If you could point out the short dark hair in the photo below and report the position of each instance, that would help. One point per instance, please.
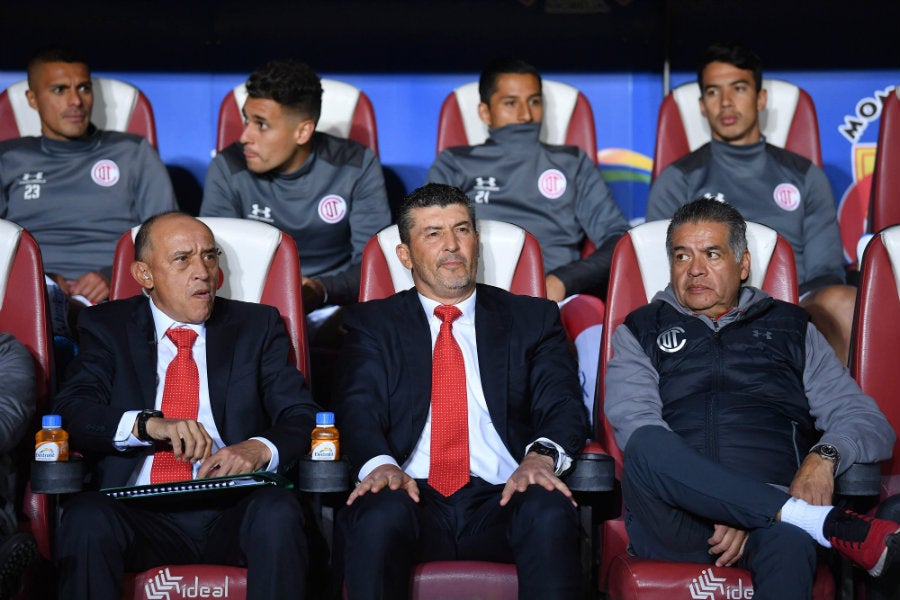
(50, 54)
(142, 238)
(714, 211)
(733, 54)
(431, 194)
(289, 83)
(487, 83)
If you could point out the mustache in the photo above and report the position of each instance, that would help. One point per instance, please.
(452, 257)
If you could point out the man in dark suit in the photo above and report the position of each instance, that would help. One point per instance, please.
(253, 413)
(519, 421)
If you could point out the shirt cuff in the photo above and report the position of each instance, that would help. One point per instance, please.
(124, 439)
(273, 462)
(563, 462)
(374, 463)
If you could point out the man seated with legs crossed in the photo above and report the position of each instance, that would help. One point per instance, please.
(215, 377)
(461, 408)
(735, 416)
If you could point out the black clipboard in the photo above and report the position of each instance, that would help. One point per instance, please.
(198, 491)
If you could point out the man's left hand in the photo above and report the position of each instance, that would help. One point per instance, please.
(814, 481)
(535, 469)
(313, 294)
(728, 543)
(556, 289)
(92, 285)
(245, 457)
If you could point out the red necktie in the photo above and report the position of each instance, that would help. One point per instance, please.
(181, 399)
(449, 469)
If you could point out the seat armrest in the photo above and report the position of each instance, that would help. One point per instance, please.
(323, 476)
(593, 471)
(861, 479)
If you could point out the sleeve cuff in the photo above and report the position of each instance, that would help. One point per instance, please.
(124, 439)
(374, 463)
(272, 467)
(563, 462)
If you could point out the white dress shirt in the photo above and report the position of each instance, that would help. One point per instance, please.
(165, 352)
(489, 459)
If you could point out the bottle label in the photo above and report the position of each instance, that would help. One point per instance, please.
(324, 451)
(49, 451)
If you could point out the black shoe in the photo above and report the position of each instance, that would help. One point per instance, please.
(16, 554)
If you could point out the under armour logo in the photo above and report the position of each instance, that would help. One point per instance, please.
(264, 213)
(766, 334)
(486, 183)
(671, 340)
(718, 196)
(32, 178)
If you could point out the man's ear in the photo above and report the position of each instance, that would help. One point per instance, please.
(403, 255)
(761, 100)
(141, 273)
(32, 99)
(484, 113)
(745, 266)
(304, 131)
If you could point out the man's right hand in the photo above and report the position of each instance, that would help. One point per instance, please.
(189, 439)
(385, 476)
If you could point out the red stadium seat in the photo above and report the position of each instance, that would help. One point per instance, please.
(788, 121)
(885, 209)
(639, 269)
(568, 118)
(118, 106)
(346, 113)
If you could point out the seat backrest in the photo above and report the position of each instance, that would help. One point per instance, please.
(885, 209)
(568, 118)
(788, 121)
(24, 311)
(346, 113)
(258, 264)
(643, 251)
(118, 106)
(876, 329)
(510, 258)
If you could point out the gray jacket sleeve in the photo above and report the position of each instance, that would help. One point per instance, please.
(602, 222)
(631, 397)
(154, 193)
(823, 253)
(850, 420)
(17, 402)
(667, 193)
(443, 170)
(219, 199)
(369, 214)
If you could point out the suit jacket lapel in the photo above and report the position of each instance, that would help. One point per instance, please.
(141, 335)
(221, 336)
(492, 331)
(416, 343)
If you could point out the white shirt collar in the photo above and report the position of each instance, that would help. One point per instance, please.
(163, 322)
(467, 307)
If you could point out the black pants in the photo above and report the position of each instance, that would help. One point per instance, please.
(674, 496)
(100, 539)
(386, 533)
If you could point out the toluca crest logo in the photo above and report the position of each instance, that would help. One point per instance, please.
(552, 184)
(787, 196)
(260, 213)
(105, 173)
(483, 188)
(709, 587)
(165, 586)
(332, 208)
(671, 340)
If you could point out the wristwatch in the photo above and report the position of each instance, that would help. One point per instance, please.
(828, 452)
(545, 449)
(142, 419)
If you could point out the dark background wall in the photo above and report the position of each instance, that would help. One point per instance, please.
(381, 36)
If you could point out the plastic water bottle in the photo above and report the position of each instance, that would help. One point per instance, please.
(51, 442)
(326, 440)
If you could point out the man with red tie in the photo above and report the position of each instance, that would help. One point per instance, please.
(460, 408)
(175, 384)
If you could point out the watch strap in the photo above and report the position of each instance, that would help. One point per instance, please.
(142, 419)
